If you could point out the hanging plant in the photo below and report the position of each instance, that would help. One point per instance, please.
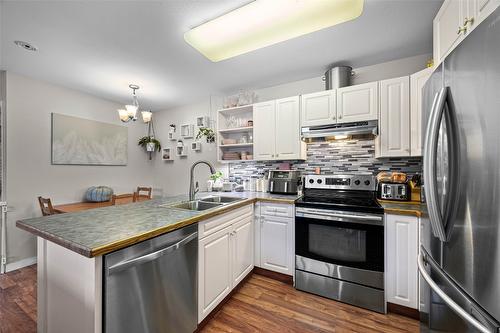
(206, 132)
(150, 143)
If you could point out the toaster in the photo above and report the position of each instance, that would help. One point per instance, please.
(394, 191)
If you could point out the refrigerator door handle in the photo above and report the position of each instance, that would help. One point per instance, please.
(454, 306)
(430, 151)
(453, 195)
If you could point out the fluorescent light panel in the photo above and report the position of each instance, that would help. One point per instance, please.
(266, 22)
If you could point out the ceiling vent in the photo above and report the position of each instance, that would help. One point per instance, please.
(25, 45)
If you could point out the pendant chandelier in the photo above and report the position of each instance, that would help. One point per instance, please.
(130, 111)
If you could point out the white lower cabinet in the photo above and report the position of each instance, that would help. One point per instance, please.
(214, 278)
(401, 256)
(274, 238)
(225, 257)
(243, 240)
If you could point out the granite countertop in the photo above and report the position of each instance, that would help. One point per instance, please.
(415, 208)
(99, 231)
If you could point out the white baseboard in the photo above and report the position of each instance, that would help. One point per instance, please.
(20, 264)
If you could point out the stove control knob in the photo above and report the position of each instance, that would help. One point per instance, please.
(357, 182)
(319, 181)
(367, 182)
(311, 181)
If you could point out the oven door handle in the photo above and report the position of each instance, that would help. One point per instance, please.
(336, 216)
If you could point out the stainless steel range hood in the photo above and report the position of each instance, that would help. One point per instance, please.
(349, 129)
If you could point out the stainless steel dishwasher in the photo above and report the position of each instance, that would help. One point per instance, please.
(151, 287)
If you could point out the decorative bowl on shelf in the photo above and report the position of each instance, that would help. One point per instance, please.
(228, 141)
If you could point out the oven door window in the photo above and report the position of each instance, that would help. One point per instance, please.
(341, 243)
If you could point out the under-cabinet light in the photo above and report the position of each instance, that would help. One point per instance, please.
(266, 22)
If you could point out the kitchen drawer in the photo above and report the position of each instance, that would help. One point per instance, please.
(281, 210)
(217, 223)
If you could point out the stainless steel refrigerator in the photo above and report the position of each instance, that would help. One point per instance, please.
(459, 258)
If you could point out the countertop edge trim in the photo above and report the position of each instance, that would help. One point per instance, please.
(84, 251)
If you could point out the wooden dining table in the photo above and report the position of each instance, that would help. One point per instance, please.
(80, 206)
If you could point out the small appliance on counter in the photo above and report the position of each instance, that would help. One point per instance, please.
(284, 181)
(393, 186)
(394, 191)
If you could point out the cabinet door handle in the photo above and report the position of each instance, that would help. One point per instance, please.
(462, 30)
(468, 20)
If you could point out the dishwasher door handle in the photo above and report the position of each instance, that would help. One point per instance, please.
(150, 256)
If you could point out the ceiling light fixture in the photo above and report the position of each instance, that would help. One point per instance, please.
(26, 45)
(262, 23)
(130, 111)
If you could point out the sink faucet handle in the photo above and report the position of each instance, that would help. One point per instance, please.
(197, 188)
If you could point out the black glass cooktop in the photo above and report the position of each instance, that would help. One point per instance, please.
(359, 201)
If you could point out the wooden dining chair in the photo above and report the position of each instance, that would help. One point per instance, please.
(123, 198)
(46, 206)
(147, 192)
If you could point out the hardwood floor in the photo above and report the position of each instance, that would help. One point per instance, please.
(266, 305)
(18, 301)
(260, 305)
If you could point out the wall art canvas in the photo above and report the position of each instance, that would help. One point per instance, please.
(78, 141)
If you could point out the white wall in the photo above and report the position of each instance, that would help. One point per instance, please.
(29, 170)
(386, 70)
(172, 177)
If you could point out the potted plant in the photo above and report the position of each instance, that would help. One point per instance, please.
(150, 143)
(206, 132)
(215, 182)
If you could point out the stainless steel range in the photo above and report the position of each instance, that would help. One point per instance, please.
(339, 240)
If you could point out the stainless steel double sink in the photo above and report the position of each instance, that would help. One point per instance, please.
(205, 203)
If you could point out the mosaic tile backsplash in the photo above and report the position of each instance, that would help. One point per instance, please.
(334, 157)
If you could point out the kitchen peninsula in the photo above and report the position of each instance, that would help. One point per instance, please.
(71, 250)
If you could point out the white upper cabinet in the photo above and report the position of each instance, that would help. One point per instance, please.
(417, 82)
(394, 120)
(288, 128)
(318, 108)
(454, 20)
(446, 27)
(357, 103)
(277, 130)
(483, 8)
(264, 123)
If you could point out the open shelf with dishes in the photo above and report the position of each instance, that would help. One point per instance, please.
(235, 134)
